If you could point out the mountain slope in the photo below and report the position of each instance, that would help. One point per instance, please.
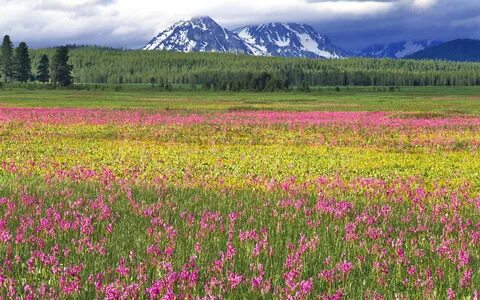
(198, 35)
(397, 50)
(288, 40)
(457, 50)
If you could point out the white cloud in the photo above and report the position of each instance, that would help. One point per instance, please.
(133, 22)
(424, 3)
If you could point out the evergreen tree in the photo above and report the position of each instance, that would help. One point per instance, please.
(152, 81)
(43, 69)
(61, 70)
(23, 63)
(304, 87)
(6, 61)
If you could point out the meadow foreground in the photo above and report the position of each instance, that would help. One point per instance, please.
(155, 204)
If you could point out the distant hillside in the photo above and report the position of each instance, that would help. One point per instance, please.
(457, 50)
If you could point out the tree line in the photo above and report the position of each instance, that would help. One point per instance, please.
(230, 72)
(16, 65)
(219, 71)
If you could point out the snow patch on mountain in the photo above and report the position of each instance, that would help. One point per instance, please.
(249, 40)
(398, 49)
(410, 48)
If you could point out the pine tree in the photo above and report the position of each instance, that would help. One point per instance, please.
(23, 63)
(61, 70)
(43, 69)
(152, 81)
(7, 59)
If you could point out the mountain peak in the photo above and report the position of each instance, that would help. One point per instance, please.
(199, 34)
(202, 18)
(289, 40)
(205, 20)
(203, 34)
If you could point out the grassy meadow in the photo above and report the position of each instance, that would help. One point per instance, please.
(136, 193)
(408, 99)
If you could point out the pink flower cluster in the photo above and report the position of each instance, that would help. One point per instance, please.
(68, 116)
(120, 245)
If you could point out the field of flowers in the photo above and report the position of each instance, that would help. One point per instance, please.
(149, 204)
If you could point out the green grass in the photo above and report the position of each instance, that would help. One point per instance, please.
(412, 99)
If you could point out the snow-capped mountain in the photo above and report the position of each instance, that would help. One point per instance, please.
(398, 49)
(274, 39)
(200, 34)
(288, 40)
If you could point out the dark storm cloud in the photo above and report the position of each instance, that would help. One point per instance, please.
(446, 20)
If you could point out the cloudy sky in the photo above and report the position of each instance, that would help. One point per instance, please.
(131, 23)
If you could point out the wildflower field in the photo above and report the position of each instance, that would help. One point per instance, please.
(243, 196)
